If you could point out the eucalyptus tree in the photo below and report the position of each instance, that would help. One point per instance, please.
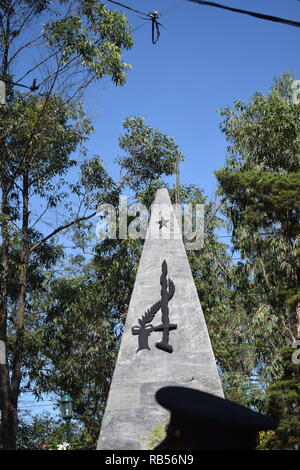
(75, 340)
(36, 184)
(53, 50)
(260, 186)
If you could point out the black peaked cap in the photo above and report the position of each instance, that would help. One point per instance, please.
(199, 407)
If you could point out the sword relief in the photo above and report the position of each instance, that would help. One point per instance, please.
(167, 292)
(144, 329)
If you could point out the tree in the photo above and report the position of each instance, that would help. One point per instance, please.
(34, 341)
(39, 432)
(148, 153)
(22, 179)
(80, 41)
(283, 403)
(45, 432)
(75, 339)
(260, 187)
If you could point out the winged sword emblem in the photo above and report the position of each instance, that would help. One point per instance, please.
(145, 328)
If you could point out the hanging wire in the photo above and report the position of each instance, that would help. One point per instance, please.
(275, 19)
(172, 7)
(134, 10)
(154, 16)
(128, 7)
(155, 24)
(138, 27)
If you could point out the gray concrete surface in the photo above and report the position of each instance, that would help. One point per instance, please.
(131, 412)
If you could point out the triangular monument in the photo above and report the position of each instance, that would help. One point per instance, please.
(165, 339)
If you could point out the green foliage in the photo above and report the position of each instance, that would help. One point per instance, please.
(96, 184)
(73, 344)
(39, 432)
(150, 154)
(260, 187)
(263, 134)
(73, 325)
(284, 405)
(95, 35)
(40, 134)
(263, 199)
(57, 332)
(45, 432)
(83, 41)
(77, 346)
(84, 316)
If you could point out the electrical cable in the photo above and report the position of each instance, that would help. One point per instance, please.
(127, 7)
(262, 16)
(152, 16)
(162, 13)
(275, 19)
(172, 8)
(138, 27)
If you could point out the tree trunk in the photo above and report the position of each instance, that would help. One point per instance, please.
(19, 321)
(9, 424)
(7, 411)
(298, 320)
(10, 390)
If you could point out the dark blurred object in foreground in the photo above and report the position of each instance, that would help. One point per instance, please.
(200, 420)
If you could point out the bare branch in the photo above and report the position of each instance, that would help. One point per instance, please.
(59, 229)
(33, 132)
(81, 87)
(41, 215)
(62, 68)
(21, 48)
(1, 24)
(25, 21)
(38, 65)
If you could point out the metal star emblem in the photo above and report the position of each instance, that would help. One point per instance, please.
(162, 222)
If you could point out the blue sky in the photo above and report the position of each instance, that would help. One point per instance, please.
(204, 60)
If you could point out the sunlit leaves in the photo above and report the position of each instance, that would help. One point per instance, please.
(263, 134)
(149, 154)
(94, 35)
(260, 184)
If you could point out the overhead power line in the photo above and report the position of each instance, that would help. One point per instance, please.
(276, 19)
(138, 27)
(261, 16)
(25, 407)
(152, 16)
(128, 7)
(143, 13)
(172, 7)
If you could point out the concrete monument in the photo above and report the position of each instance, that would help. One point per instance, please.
(165, 340)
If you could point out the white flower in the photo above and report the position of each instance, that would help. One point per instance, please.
(63, 446)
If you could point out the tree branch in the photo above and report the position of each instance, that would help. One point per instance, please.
(59, 229)
(220, 265)
(27, 44)
(27, 18)
(37, 65)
